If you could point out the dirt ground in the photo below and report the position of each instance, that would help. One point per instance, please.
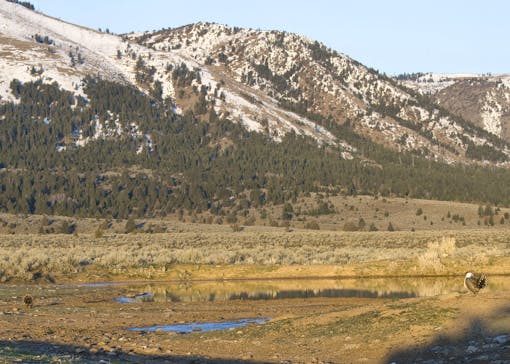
(88, 325)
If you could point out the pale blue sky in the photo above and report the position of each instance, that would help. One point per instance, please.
(393, 36)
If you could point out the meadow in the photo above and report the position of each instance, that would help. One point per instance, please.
(253, 252)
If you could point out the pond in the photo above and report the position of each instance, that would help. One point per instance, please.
(211, 291)
(376, 288)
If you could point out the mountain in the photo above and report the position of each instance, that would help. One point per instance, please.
(269, 81)
(216, 119)
(270, 67)
(483, 100)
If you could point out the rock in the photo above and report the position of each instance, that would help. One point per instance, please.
(482, 358)
(501, 339)
(471, 349)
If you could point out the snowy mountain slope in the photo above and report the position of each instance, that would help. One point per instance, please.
(114, 58)
(268, 81)
(431, 83)
(52, 53)
(483, 100)
(306, 76)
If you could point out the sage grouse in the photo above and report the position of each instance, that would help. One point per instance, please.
(475, 281)
(28, 300)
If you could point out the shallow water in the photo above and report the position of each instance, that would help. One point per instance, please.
(375, 288)
(200, 327)
(138, 297)
(212, 291)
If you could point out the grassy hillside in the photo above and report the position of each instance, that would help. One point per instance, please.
(38, 247)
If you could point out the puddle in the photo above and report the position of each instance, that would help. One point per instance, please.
(100, 284)
(223, 291)
(138, 297)
(200, 327)
(372, 288)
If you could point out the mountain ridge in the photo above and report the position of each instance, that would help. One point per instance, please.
(266, 74)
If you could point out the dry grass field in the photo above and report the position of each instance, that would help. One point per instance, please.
(428, 238)
(254, 252)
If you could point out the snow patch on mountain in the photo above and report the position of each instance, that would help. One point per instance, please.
(431, 83)
(112, 127)
(491, 113)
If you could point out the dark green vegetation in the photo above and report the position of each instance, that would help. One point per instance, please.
(26, 4)
(195, 163)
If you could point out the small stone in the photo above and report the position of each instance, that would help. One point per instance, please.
(501, 339)
(482, 357)
(471, 349)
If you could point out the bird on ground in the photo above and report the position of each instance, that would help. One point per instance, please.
(475, 281)
(28, 300)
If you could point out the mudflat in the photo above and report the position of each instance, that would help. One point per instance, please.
(86, 323)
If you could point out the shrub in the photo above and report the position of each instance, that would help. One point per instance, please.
(98, 233)
(67, 228)
(250, 221)
(130, 226)
(236, 228)
(390, 227)
(350, 226)
(312, 225)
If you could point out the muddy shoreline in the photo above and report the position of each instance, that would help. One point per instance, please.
(87, 325)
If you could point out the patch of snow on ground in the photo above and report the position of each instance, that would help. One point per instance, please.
(491, 114)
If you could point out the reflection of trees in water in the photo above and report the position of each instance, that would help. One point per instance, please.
(360, 288)
(309, 293)
(421, 287)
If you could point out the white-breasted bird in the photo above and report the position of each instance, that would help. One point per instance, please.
(475, 281)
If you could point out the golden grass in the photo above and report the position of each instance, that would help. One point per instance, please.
(253, 253)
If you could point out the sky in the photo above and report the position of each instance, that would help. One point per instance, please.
(392, 36)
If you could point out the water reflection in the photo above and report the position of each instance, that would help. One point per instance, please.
(213, 291)
(138, 297)
(310, 293)
(200, 327)
(303, 289)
